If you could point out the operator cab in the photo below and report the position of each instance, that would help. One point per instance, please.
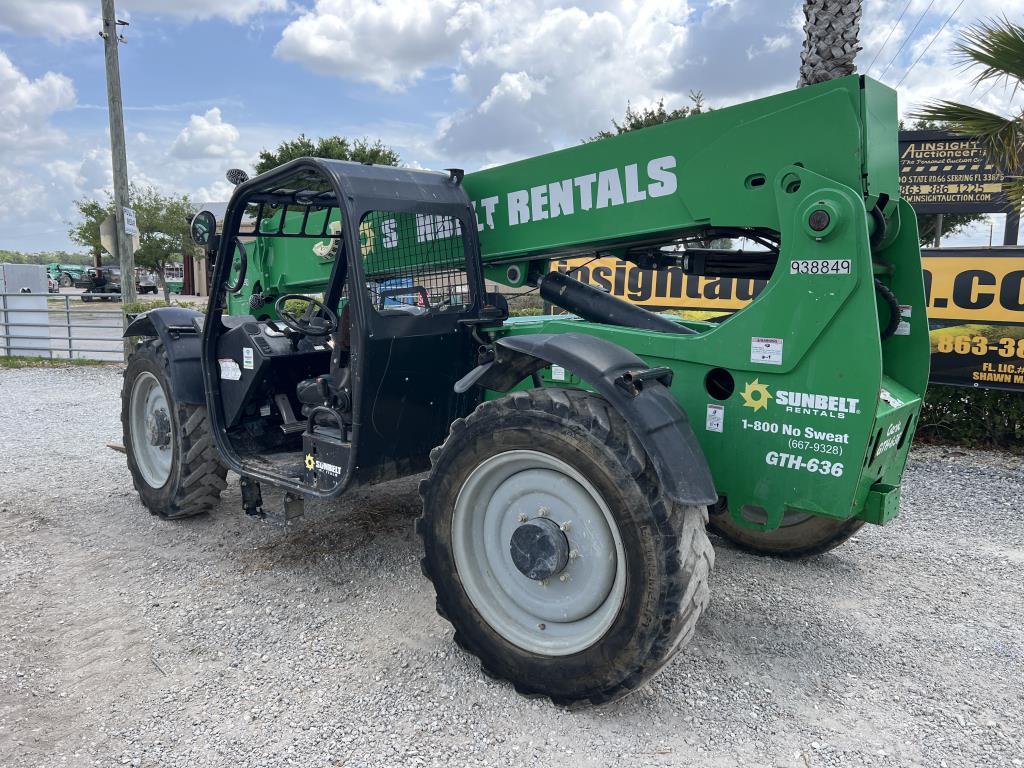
(344, 301)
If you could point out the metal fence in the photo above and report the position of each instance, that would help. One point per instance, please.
(62, 325)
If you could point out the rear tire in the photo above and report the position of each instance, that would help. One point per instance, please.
(171, 454)
(567, 456)
(65, 280)
(805, 537)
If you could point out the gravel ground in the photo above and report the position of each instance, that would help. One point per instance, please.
(216, 641)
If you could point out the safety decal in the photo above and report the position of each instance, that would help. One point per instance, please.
(766, 350)
(715, 418)
(229, 369)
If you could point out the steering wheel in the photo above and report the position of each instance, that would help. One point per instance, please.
(304, 324)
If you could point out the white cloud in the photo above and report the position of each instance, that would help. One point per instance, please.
(924, 65)
(513, 89)
(206, 136)
(542, 77)
(26, 107)
(89, 175)
(217, 192)
(236, 11)
(65, 19)
(389, 43)
(53, 19)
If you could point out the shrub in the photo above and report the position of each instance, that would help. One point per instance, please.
(973, 416)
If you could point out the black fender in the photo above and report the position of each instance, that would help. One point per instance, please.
(182, 340)
(639, 393)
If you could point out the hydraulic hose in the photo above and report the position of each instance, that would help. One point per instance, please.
(599, 307)
(894, 308)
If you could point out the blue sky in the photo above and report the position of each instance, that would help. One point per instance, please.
(208, 83)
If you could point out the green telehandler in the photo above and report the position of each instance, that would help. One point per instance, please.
(574, 461)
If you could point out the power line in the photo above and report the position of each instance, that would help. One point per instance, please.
(951, 15)
(907, 40)
(891, 30)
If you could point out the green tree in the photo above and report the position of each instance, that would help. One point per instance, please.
(995, 50)
(333, 147)
(44, 257)
(649, 116)
(86, 231)
(164, 235)
(163, 222)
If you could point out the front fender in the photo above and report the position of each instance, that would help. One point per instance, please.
(182, 342)
(648, 408)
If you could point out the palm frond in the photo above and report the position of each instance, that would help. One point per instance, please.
(1002, 137)
(1013, 188)
(997, 45)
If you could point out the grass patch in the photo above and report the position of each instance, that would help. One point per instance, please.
(19, 361)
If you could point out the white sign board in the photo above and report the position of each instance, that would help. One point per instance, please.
(107, 237)
(130, 227)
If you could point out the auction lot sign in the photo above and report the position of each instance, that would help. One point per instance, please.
(944, 173)
(975, 306)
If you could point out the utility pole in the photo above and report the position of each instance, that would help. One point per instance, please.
(125, 254)
(1012, 225)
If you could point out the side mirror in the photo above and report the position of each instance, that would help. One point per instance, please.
(236, 176)
(203, 228)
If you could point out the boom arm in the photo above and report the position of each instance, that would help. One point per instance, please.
(713, 170)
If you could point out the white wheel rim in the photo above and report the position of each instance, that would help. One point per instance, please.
(568, 612)
(152, 430)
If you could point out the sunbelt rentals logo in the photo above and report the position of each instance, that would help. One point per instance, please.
(758, 396)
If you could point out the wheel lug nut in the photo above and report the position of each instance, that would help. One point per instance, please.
(522, 517)
(564, 526)
(573, 555)
(543, 511)
(563, 577)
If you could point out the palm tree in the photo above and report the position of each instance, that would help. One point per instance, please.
(831, 29)
(997, 47)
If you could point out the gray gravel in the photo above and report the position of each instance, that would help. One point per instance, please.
(220, 641)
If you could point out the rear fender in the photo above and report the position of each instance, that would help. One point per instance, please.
(181, 338)
(637, 392)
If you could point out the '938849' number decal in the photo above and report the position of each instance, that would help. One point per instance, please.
(820, 267)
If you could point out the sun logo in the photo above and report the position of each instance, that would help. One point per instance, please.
(756, 395)
(310, 462)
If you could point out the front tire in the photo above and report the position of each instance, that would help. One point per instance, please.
(798, 536)
(589, 623)
(171, 455)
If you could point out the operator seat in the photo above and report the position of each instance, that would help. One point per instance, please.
(334, 385)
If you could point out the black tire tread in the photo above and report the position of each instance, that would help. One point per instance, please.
(688, 583)
(813, 543)
(203, 476)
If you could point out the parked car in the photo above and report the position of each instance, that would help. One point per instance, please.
(53, 286)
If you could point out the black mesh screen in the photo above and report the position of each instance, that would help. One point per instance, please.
(414, 263)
